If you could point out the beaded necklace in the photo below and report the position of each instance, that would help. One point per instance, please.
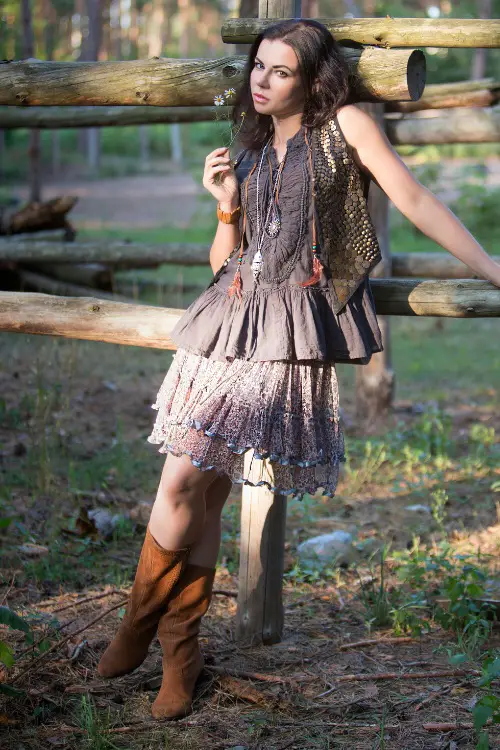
(274, 226)
(235, 287)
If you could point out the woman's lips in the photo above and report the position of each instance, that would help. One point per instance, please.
(261, 98)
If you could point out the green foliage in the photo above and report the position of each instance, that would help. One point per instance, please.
(13, 621)
(307, 571)
(10, 619)
(95, 725)
(477, 208)
(438, 506)
(376, 598)
(375, 455)
(456, 579)
(488, 706)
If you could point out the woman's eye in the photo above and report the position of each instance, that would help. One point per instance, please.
(256, 64)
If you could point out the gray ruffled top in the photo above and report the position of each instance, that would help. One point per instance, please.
(277, 319)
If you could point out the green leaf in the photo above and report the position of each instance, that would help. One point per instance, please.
(457, 659)
(8, 690)
(6, 654)
(491, 671)
(475, 590)
(481, 714)
(9, 618)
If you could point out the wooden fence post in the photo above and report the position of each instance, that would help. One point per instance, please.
(259, 617)
(375, 381)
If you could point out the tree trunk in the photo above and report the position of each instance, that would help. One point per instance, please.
(34, 155)
(479, 56)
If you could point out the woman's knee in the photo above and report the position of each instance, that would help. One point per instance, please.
(181, 481)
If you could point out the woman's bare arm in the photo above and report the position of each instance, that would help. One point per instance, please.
(375, 154)
(226, 238)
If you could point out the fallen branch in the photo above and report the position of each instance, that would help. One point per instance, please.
(70, 622)
(37, 216)
(406, 676)
(90, 599)
(43, 605)
(377, 642)
(443, 691)
(445, 727)
(246, 692)
(227, 672)
(59, 644)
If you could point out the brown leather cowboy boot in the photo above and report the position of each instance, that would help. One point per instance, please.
(178, 634)
(157, 573)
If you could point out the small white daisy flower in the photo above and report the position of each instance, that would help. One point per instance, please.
(218, 100)
(229, 92)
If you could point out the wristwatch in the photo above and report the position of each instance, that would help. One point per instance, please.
(228, 217)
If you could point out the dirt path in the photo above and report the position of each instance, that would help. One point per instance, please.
(136, 201)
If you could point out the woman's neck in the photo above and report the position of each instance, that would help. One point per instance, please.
(285, 129)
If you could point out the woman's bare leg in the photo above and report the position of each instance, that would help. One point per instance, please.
(179, 511)
(206, 550)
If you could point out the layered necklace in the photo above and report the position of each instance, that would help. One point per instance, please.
(272, 222)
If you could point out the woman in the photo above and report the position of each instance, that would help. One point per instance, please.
(255, 363)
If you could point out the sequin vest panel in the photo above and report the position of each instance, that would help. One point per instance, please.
(347, 238)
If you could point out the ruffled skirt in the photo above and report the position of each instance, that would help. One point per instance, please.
(287, 412)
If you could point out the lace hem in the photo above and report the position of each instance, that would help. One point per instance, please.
(233, 467)
(287, 413)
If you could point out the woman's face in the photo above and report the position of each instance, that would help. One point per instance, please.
(275, 75)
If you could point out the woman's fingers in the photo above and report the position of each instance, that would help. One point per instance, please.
(222, 168)
(218, 160)
(218, 154)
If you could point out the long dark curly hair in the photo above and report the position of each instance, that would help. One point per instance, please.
(320, 61)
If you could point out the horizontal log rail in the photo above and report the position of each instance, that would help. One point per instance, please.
(378, 75)
(148, 326)
(432, 266)
(482, 92)
(470, 125)
(125, 255)
(51, 118)
(117, 253)
(477, 93)
(466, 125)
(385, 32)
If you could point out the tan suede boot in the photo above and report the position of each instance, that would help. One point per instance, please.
(178, 633)
(157, 573)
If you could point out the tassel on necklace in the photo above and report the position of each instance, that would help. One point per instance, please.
(317, 268)
(235, 286)
(317, 265)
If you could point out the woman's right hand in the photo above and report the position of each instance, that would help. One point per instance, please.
(226, 189)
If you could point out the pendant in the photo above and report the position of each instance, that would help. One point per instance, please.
(274, 225)
(256, 263)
